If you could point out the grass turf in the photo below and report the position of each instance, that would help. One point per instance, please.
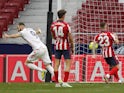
(50, 88)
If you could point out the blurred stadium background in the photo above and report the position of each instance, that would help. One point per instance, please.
(84, 17)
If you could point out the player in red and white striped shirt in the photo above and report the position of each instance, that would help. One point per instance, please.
(61, 32)
(106, 39)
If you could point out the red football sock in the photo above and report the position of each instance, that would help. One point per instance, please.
(66, 76)
(56, 76)
(116, 75)
(113, 70)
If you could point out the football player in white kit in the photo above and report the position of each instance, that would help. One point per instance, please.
(39, 49)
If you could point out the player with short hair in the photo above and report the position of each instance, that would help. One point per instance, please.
(61, 32)
(39, 49)
(106, 39)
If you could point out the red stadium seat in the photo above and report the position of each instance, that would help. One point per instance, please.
(3, 1)
(3, 24)
(1, 28)
(8, 17)
(1, 5)
(13, 5)
(16, 4)
(12, 10)
(19, 3)
(26, 1)
(1, 31)
(9, 9)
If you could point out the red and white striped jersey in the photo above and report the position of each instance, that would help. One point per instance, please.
(60, 30)
(105, 40)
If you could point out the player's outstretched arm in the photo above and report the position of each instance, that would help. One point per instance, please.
(5, 35)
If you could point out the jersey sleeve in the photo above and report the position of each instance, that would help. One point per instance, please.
(21, 33)
(113, 36)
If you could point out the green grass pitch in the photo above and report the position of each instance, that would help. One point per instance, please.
(50, 88)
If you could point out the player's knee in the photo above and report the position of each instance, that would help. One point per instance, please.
(27, 62)
(118, 66)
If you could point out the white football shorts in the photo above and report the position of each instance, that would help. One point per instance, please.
(41, 53)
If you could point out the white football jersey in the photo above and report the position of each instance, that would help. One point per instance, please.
(32, 38)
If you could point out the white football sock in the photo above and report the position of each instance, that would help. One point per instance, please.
(50, 69)
(119, 81)
(34, 67)
(107, 75)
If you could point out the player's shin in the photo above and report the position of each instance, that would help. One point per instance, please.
(34, 67)
(50, 69)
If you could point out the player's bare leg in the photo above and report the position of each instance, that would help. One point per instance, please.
(59, 74)
(67, 70)
(57, 63)
(34, 67)
(50, 69)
